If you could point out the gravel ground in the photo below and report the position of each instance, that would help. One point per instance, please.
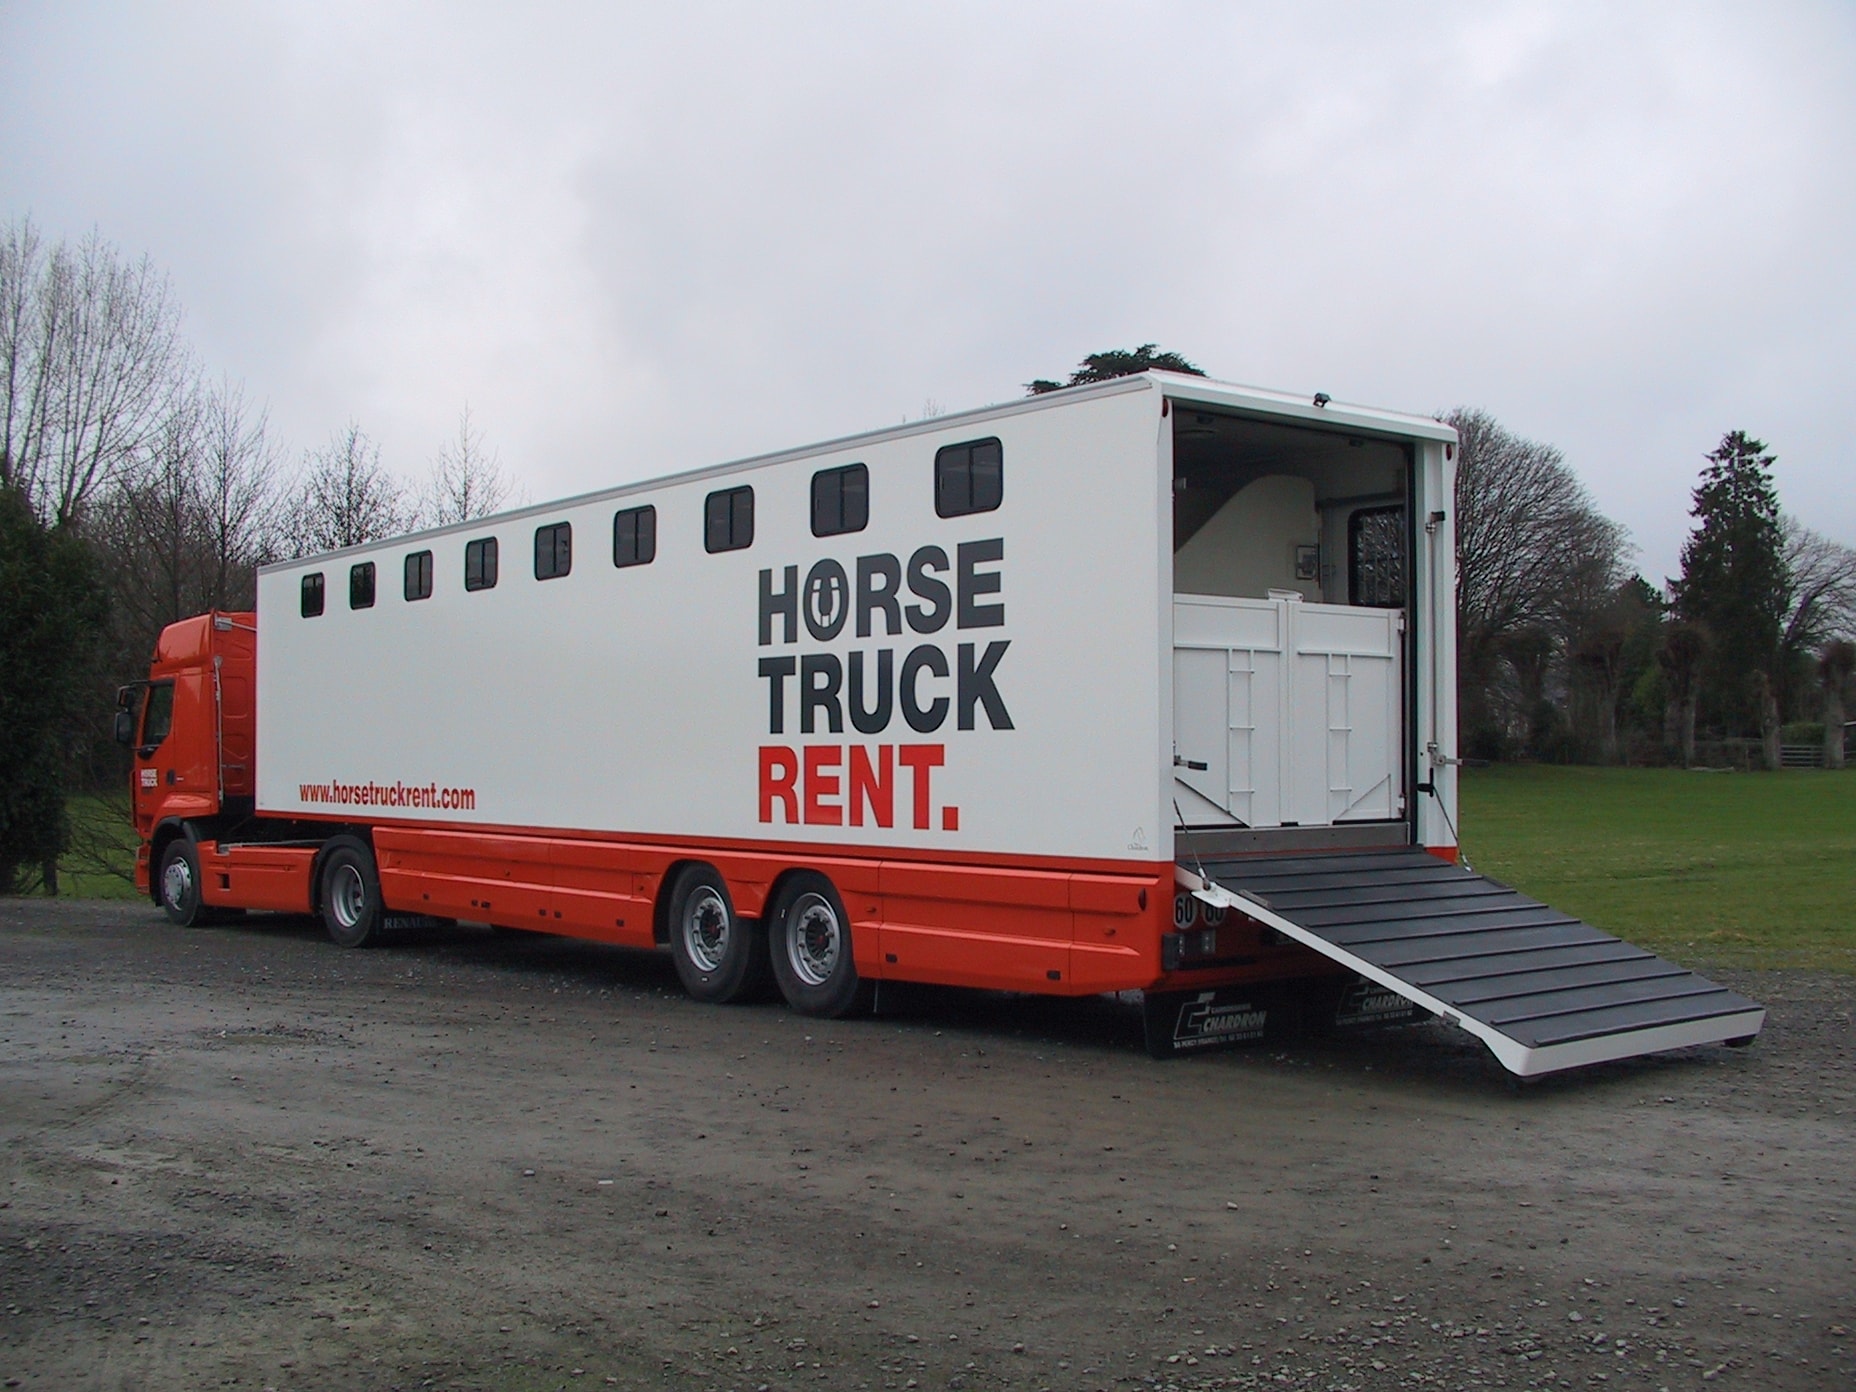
(240, 1157)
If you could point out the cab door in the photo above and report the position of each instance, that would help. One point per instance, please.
(155, 722)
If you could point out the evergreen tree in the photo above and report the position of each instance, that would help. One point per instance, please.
(52, 608)
(1735, 580)
(1116, 362)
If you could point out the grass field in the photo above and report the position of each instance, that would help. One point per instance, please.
(1751, 870)
(1755, 870)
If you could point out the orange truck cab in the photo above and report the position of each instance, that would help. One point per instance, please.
(190, 726)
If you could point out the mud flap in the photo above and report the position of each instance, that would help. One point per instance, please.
(1356, 1003)
(1182, 1022)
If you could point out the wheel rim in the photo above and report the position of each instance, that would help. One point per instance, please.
(814, 939)
(705, 929)
(348, 896)
(176, 882)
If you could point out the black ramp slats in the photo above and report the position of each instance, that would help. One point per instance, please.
(1543, 990)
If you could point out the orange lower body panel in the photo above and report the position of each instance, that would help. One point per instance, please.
(274, 878)
(1036, 928)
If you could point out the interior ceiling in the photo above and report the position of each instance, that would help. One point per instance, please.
(1214, 455)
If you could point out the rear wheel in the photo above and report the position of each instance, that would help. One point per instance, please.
(179, 883)
(721, 957)
(350, 896)
(809, 939)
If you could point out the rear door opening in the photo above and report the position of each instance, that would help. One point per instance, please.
(1291, 598)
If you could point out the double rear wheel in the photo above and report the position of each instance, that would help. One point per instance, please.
(809, 939)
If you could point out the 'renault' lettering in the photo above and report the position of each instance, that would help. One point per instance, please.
(871, 688)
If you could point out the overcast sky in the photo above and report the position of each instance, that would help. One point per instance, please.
(643, 238)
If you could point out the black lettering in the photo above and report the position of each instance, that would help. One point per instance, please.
(776, 670)
(828, 600)
(820, 677)
(974, 583)
(872, 596)
(924, 586)
(923, 720)
(975, 686)
(785, 604)
(876, 720)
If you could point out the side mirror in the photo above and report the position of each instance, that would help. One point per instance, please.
(124, 730)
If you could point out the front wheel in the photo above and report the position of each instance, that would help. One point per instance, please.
(351, 909)
(721, 957)
(809, 939)
(179, 883)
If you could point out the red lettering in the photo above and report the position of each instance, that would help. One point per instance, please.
(921, 759)
(779, 770)
(821, 785)
(877, 785)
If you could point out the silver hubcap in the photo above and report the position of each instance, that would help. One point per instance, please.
(814, 938)
(348, 896)
(705, 929)
(176, 883)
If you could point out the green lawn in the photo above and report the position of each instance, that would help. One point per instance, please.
(1753, 870)
(101, 861)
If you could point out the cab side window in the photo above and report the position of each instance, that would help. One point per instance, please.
(158, 717)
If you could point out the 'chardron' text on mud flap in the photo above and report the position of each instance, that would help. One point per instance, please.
(855, 784)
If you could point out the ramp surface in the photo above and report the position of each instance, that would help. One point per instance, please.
(1543, 990)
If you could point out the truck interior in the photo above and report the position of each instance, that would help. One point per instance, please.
(1290, 589)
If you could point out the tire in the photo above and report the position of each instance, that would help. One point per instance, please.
(350, 893)
(721, 957)
(809, 939)
(178, 884)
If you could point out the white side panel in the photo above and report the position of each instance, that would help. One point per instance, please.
(633, 701)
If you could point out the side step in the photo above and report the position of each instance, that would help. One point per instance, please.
(1543, 990)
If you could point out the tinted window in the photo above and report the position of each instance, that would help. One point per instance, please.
(312, 595)
(361, 585)
(969, 478)
(554, 551)
(480, 564)
(728, 519)
(840, 500)
(634, 536)
(158, 719)
(419, 575)
(1376, 557)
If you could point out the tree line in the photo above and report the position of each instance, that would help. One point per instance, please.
(1566, 653)
(137, 489)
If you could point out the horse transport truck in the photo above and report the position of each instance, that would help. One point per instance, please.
(1139, 686)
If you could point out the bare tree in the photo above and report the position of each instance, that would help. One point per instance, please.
(1823, 597)
(239, 504)
(345, 497)
(90, 366)
(1535, 560)
(1835, 666)
(467, 480)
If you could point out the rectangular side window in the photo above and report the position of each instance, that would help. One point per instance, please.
(1376, 557)
(728, 520)
(968, 478)
(158, 716)
(634, 536)
(361, 585)
(554, 550)
(840, 500)
(480, 564)
(419, 575)
(312, 595)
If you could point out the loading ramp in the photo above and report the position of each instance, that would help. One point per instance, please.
(1542, 989)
